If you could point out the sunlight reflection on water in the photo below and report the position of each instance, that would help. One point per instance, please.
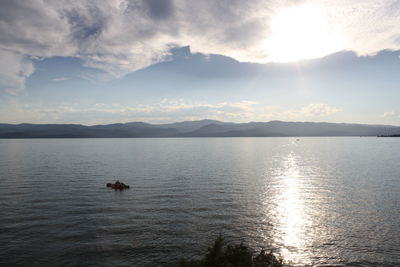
(291, 220)
(291, 206)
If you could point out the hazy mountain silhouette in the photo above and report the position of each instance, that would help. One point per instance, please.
(202, 128)
(189, 126)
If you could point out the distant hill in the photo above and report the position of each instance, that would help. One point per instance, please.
(202, 128)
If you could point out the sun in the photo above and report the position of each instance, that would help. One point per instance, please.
(298, 33)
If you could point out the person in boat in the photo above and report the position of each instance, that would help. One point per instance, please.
(117, 185)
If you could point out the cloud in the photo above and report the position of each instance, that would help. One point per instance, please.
(312, 110)
(59, 79)
(14, 69)
(166, 110)
(121, 36)
(388, 114)
(159, 112)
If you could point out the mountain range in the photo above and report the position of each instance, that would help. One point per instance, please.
(201, 128)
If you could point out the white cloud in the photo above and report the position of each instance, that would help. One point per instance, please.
(14, 69)
(121, 36)
(312, 110)
(166, 110)
(388, 114)
(60, 79)
(163, 111)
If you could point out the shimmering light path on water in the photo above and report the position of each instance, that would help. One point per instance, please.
(319, 201)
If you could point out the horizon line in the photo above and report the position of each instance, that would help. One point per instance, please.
(199, 120)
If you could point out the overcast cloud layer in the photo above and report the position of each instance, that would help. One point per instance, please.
(121, 36)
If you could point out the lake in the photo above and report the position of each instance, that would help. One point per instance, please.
(316, 201)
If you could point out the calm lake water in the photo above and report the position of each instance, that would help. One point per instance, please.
(317, 201)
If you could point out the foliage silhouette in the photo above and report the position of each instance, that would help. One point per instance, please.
(233, 256)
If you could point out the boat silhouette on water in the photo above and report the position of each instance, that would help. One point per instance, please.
(118, 185)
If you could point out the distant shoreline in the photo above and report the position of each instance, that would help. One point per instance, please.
(201, 128)
(194, 137)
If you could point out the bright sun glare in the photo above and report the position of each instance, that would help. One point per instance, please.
(300, 32)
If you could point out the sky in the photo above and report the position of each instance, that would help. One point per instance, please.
(107, 61)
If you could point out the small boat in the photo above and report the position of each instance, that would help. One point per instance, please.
(118, 185)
